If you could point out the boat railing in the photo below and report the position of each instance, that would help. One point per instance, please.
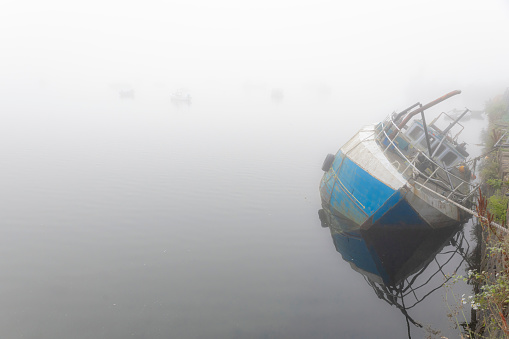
(458, 131)
(454, 187)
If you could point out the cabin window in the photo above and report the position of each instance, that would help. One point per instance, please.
(449, 158)
(416, 133)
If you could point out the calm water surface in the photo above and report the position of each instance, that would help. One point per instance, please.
(139, 219)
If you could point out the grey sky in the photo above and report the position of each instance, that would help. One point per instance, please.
(355, 46)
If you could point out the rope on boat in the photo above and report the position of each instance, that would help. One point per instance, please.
(475, 214)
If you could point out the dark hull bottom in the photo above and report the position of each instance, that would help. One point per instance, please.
(401, 216)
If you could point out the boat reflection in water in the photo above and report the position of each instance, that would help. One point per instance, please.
(402, 265)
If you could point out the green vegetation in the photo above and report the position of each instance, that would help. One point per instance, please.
(497, 205)
(498, 114)
(495, 183)
(489, 274)
(490, 280)
(489, 168)
(496, 110)
(493, 298)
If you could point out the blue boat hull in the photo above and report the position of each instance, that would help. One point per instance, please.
(354, 194)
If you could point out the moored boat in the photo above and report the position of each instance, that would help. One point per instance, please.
(181, 97)
(400, 172)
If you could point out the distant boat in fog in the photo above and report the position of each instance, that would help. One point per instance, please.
(277, 95)
(126, 94)
(181, 97)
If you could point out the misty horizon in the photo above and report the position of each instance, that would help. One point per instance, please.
(366, 49)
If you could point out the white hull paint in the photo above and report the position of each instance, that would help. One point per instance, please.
(363, 150)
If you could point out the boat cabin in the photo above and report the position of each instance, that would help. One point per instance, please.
(445, 152)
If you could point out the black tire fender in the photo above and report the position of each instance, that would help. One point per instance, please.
(327, 163)
(324, 219)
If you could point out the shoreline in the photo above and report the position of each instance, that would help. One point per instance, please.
(493, 263)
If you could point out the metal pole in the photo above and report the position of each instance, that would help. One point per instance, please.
(426, 132)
